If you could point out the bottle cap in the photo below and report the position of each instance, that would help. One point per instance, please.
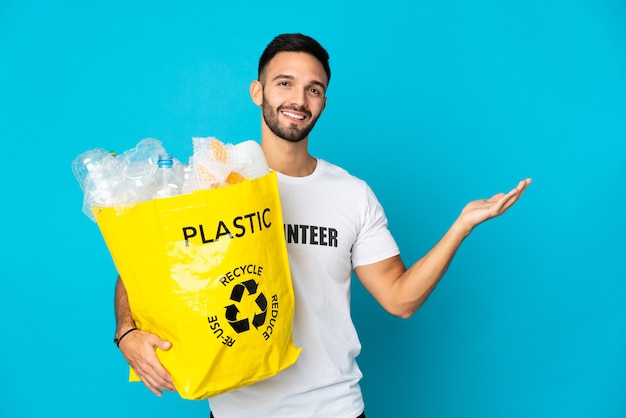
(165, 160)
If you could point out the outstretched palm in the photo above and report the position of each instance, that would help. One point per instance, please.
(479, 211)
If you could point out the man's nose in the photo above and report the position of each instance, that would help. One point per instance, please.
(298, 97)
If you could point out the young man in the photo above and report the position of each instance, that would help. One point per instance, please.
(324, 382)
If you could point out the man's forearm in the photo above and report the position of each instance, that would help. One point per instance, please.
(123, 317)
(421, 278)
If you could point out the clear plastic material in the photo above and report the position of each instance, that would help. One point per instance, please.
(167, 181)
(121, 181)
(111, 180)
(88, 161)
(251, 160)
(215, 164)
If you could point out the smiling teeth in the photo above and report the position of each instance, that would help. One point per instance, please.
(293, 115)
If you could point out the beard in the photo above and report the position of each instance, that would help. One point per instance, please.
(291, 133)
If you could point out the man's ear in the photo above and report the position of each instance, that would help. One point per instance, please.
(256, 92)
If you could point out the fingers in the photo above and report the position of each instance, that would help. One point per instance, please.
(156, 378)
(156, 342)
(481, 210)
(157, 371)
(496, 197)
(140, 352)
(521, 186)
(524, 184)
(151, 384)
(511, 197)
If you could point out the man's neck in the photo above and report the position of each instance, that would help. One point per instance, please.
(289, 158)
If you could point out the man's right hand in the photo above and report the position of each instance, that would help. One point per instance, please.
(139, 349)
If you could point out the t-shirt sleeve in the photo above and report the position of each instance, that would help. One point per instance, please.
(374, 241)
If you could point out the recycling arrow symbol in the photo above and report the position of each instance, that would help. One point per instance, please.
(232, 311)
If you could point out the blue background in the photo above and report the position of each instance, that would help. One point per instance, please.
(433, 103)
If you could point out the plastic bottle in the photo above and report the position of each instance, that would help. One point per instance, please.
(88, 162)
(167, 180)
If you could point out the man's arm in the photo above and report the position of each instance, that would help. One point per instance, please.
(139, 347)
(400, 291)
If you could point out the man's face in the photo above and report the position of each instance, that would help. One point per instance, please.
(294, 94)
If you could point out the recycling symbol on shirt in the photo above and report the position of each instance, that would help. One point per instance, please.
(232, 311)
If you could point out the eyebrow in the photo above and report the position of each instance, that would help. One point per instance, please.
(291, 77)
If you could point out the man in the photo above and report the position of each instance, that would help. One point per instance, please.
(291, 91)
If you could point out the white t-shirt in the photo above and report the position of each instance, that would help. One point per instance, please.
(333, 223)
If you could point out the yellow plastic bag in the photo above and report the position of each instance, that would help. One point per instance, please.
(208, 271)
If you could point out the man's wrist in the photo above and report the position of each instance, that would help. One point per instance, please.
(121, 336)
(123, 324)
(461, 229)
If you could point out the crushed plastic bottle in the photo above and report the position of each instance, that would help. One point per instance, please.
(88, 162)
(167, 181)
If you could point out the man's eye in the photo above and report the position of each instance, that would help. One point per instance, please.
(315, 91)
(283, 83)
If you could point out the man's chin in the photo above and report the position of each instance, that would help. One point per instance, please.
(292, 135)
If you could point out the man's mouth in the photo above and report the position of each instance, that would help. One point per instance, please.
(289, 114)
